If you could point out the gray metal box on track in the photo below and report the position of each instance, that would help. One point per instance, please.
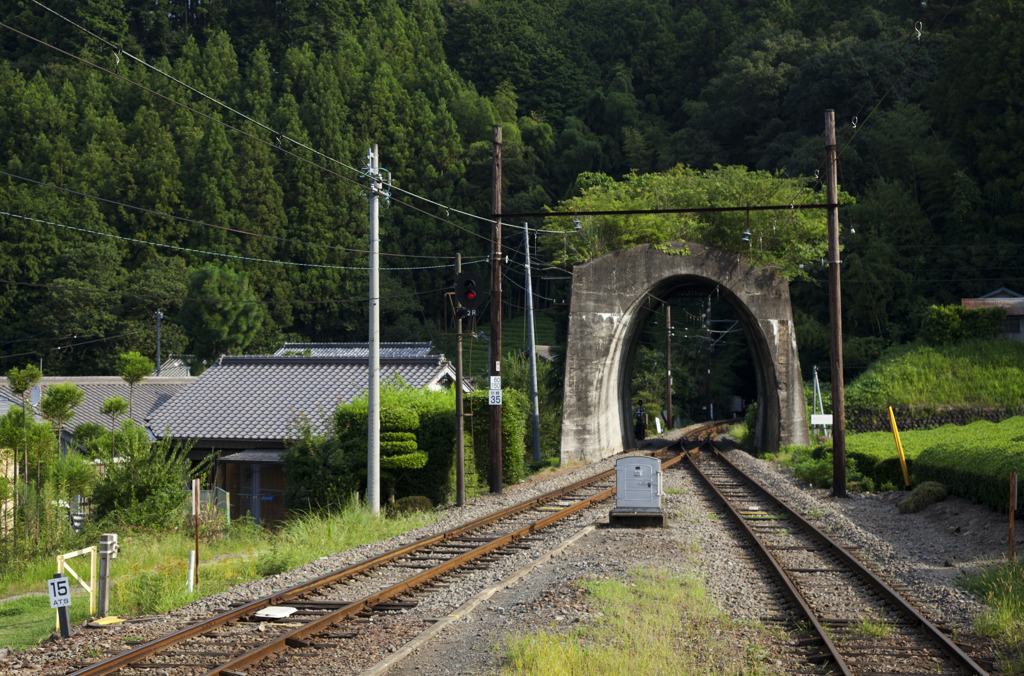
(637, 493)
(638, 483)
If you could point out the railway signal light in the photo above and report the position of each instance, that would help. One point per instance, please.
(469, 290)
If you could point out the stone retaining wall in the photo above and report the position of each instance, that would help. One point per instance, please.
(875, 420)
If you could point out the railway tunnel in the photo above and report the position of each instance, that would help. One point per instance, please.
(613, 299)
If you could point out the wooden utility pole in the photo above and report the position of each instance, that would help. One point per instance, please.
(460, 437)
(495, 404)
(835, 310)
(668, 361)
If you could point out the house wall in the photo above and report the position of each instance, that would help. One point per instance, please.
(257, 490)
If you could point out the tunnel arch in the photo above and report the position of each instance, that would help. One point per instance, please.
(612, 298)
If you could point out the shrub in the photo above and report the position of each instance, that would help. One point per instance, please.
(923, 495)
(413, 503)
(515, 410)
(323, 472)
(145, 485)
(946, 324)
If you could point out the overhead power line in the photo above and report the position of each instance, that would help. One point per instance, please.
(208, 225)
(289, 301)
(118, 49)
(205, 252)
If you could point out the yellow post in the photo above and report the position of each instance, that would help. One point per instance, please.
(899, 448)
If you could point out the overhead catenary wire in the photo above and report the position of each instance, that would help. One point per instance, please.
(85, 342)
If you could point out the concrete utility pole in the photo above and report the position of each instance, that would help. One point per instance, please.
(530, 329)
(495, 431)
(835, 311)
(373, 412)
(460, 436)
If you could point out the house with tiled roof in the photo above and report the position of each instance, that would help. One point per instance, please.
(150, 394)
(175, 366)
(246, 408)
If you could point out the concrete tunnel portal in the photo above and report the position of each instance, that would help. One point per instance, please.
(612, 298)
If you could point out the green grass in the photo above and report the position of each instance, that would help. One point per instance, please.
(978, 373)
(652, 623)
(149, 574)
(1001, 587)
(29, 619)
(873, 629)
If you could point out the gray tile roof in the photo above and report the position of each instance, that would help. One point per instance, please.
(362, 350)
(150, 394)
(259, 397)
(9, 401)
(176, 366)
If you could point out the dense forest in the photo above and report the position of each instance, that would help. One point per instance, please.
(206, 159)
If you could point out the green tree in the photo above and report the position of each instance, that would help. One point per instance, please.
(146, 486)
(21, 382)
(787, 240)
(58, 406)
(222, 313)
(133, 368)
(114, 407)
(398, 450)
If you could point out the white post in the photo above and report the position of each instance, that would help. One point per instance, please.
(373, 405)
(191, 569)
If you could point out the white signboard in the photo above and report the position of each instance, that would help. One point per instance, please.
(495, 382)
(60, 592)
(821, 419)
(494, 397)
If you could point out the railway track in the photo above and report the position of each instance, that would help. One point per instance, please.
(859, 624)
(336, 608)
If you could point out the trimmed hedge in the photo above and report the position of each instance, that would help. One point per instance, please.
(324, 472)
(977, 463)
(515, 410)
(974, 461)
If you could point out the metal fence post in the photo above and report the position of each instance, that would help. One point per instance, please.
(108, 550)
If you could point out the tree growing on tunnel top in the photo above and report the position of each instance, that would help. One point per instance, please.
(783, 239)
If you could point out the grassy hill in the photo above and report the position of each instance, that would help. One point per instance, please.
(929, 386)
